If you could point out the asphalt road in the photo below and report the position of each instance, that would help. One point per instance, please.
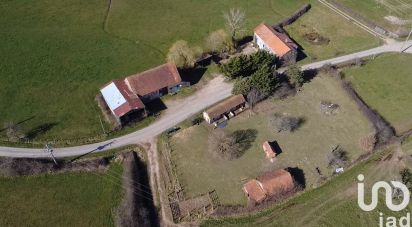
(215, 91)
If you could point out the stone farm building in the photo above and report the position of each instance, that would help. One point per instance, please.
(279, 44)
(225, 109)
(270, 184)
(126, 98)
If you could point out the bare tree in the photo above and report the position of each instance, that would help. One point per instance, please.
(285, 123)
(254, 96)
(224, 145)
(13, 132)
(219, 41)
(337, 157)
(182, 55)
(235, 22)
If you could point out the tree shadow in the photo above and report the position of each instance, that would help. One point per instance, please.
(20, 122)
(308, 75)
(298, 175)
(192, 75)
(245, 138)
(244, 40)
(40, 130)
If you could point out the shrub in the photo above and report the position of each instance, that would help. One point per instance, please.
(182, 55)
(285, 123)
(295, 76)
(219, 41)
(337, 157)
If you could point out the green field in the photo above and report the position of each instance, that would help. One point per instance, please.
(307, 148)
(57, 54)
(67, 199)
(376, 10)
(385, 83)
(333, 204)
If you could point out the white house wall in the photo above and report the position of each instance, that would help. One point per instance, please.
(262, 45)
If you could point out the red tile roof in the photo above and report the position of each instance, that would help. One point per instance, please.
(225, 106)
(279, 43)
(133, 102)
(270, 152)
(254, 191)
(154, 79)
(276, 182)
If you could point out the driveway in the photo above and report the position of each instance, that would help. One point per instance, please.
(215, 91)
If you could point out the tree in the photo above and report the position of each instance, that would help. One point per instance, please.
(182, 55)
(254, 96)
(239, 66)
(337, 157)
(285, 123)
(265, 80)
(234, 21)
(262, 57)
(242, 86)
(223, 145)
(219, 41)
(295, 76)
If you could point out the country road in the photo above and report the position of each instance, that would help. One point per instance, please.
(215, 91)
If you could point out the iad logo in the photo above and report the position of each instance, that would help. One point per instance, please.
(389, 221)
(388, 195)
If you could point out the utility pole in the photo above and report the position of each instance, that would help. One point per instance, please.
(406, 40)
(48, 148)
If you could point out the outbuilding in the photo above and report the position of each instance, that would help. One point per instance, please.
(226, 109)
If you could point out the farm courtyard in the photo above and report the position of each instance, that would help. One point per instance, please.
(306, 148)
(388, 92)
(57, 54)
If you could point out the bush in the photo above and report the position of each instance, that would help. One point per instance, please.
(182, 55)
(406, 176)
(337, 157)
(242, 86)
(230, 146)
(295, 76)
(219, 41)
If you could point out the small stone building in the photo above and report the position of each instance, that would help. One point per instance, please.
(270, 151)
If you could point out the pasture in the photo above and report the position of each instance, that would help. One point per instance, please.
(377, 10)
(306, 148)
(57, 54)
(385, 84)
(66, 199)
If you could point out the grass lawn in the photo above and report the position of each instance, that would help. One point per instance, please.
(57, 54)
(306, 148)
(376, 10)
(333, 204)
(69, 199)
(385, 83)
(344, 37)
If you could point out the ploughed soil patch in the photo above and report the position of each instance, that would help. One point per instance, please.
(13, 167)
(316, 39)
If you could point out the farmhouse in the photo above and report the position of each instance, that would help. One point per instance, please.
(276, 43)
(126, 98)
(270, 184)
(226, 109)
(270, 150)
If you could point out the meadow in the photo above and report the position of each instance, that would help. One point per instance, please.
(306, 148)
(376, 10)
(385, 84)
(66, 199)
(57, 54)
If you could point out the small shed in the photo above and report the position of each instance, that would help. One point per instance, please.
(270, 151)
(226, 109)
